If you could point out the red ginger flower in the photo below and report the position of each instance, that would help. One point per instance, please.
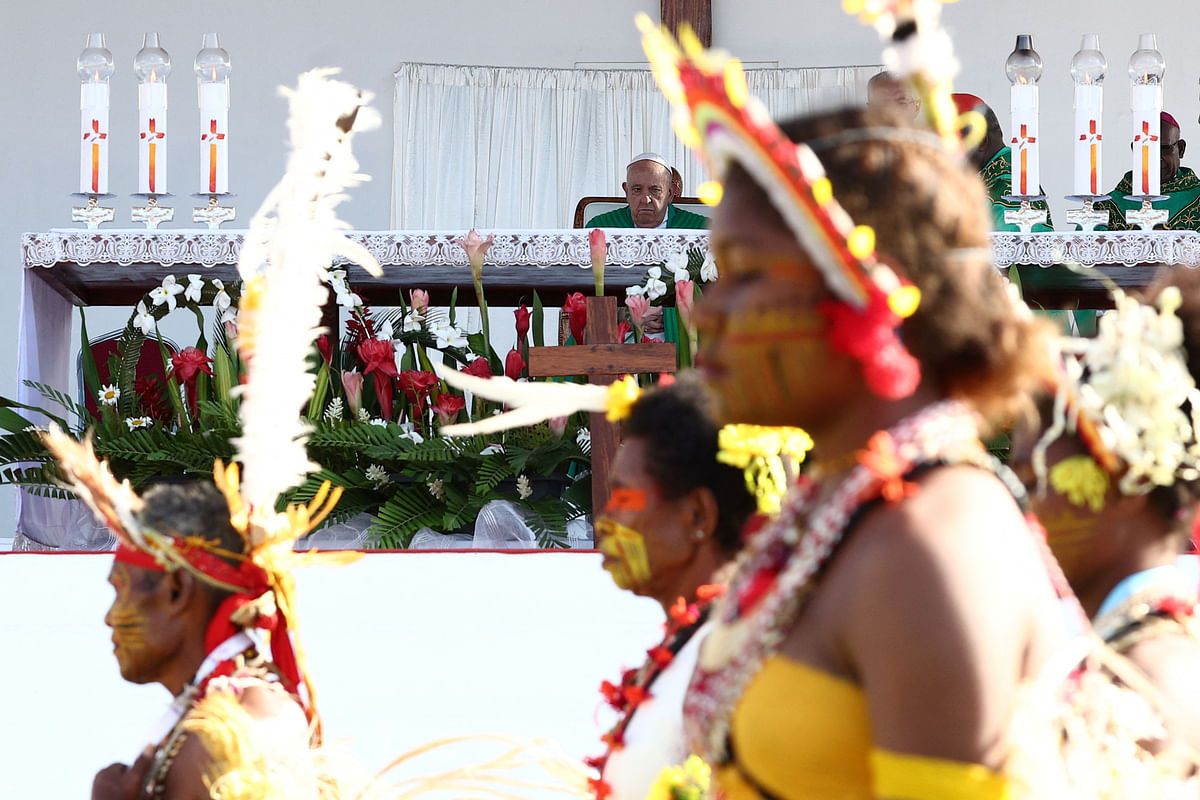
(523, 315)
(514, 365)
(623, 331)
(479, 368)
(379, 360)
(447, 406)
(188, 362)
(416, 385)
(576, 310)
(325, 348)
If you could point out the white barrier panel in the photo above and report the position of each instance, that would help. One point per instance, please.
(404, 648)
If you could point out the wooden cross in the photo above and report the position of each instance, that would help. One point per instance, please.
(602, 359)
(697, 13)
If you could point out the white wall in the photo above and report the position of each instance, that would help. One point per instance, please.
(271, 41)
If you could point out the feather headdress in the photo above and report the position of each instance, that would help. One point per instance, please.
(292, 241)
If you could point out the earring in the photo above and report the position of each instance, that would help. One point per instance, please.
(699, 534)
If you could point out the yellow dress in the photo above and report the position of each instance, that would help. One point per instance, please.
(802, 734)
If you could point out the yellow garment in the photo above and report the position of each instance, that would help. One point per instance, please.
(803, 734)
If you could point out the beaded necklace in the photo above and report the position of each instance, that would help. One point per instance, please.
(683, 620)
(777, 570)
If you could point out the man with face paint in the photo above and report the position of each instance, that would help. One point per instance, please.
(1118, 518)
(673, 519)
(191, 629)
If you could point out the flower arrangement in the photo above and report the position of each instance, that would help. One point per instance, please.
(374, 415)
(673, 285)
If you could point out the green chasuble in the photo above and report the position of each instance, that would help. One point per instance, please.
(623, 218)
(997, 177)
(1182, 203)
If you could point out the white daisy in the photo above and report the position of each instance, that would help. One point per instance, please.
(108, 395)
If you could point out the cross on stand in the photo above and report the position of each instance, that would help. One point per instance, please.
(602, 359)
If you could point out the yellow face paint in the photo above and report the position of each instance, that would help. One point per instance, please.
(624, 552)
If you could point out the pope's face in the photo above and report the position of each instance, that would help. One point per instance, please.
(136, 621)
(763, 341)
(648, 191)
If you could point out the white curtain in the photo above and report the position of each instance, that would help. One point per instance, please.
(501, 147)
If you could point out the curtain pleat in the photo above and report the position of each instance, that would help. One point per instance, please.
(507, 147)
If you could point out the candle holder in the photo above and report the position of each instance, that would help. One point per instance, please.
(1026, 216)
(214, 213)
(152, 213)
(1147, 216)
(93, 214)
(1087, 217)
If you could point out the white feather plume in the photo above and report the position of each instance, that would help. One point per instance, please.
(529, 403)
(291, 244)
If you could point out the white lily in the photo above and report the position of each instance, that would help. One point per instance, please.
(166, 292)
(708, 269)
(144, 320)
(194, 288)
(655, 288)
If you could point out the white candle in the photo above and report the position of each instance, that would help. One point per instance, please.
(214, 141)
(95, 67)
(1026, 176)
(1089, 110)
(1088, 69)
(152, 66)
(1147, 111)
(1146, 68)
(212, 67)
(93, 122)
(1024, 68)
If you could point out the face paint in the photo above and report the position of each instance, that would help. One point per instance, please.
(626, 500)
(129, 621)
(624, 552)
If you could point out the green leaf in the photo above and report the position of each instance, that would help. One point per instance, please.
(55, 396)
(539, 322)
(87, 358)
(403, 515)
(317, 402)
(493, 470)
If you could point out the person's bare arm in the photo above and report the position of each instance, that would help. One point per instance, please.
(942, 631)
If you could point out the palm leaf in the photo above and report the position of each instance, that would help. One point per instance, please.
(403, 515)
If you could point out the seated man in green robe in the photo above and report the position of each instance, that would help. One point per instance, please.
(1180, 184)
(993, 159)
(649, 190)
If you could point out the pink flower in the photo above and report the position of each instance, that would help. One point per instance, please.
(558, 425)
(479, 368)
(576, 310)
(418, 300)
(598, 248)
(523, 316)
(638, 307)
(447, 406)
(476, 248)
(352, 382)
(685, 300)
(514, 365)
